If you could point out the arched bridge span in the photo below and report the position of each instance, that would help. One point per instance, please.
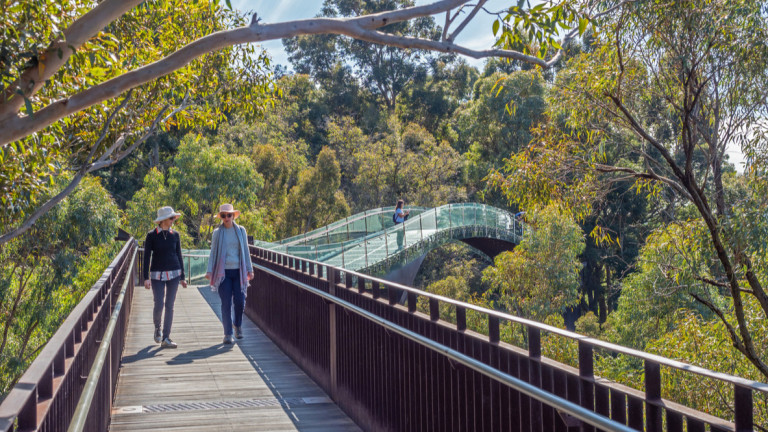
(371, 243)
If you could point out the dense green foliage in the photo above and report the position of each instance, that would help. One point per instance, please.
(640, 228)
(44, 274)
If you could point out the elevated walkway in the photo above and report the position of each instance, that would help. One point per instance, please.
(433, 363)
(205, 385)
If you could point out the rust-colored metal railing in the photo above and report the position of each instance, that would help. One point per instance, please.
(47, 395)
(371, 354)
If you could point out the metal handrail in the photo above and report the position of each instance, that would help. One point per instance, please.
(20, 405)
(543, 396)
(86, 397)
(750, 384)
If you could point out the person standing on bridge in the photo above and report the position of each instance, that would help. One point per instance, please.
(230, 269)
(162, 247)
(399, 217)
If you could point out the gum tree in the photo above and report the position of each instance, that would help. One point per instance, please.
(50, 52)
(665, 89)
(64, 60)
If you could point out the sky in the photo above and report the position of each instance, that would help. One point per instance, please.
(477, 35)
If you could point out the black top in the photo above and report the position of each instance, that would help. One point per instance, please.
(164, 247)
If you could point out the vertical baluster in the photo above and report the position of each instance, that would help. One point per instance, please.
(412, 299)
(347, 280)
(386, 243)
(461, 318)
(434, 309)
(333, 277)
(493, 329)
(653, 396)
(421, 229)
(360, 285)
(534, 377)
(587, 375)
(743, 407)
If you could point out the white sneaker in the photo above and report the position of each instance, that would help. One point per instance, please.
(238, 332)
(168, 343)
(158, 335)
(228, 340)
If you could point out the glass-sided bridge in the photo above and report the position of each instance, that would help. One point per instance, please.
(371, 243)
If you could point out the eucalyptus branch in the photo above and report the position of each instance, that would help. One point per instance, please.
(159, 119)
(743, 346)
(704, 279)
(111, 117)
(466, 21)
(91, 167)
(105, 129)
(647, 136)
(15, 126)
(48, 205)
(650, 175)
(448, 22)
(59, 52)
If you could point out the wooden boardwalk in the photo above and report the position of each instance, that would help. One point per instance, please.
(204, 385)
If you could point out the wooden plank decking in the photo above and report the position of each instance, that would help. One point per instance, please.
(204, 385)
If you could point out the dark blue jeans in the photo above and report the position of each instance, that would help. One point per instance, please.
(230, 292)
(168, 290)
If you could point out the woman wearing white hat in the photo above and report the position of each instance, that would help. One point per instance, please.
(230, 269)
(163, 248)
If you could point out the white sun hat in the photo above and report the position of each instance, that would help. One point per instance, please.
(164, 213)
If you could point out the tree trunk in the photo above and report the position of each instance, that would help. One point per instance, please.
(603, 304)
(717, 178)
(27, 335)
(12, 312)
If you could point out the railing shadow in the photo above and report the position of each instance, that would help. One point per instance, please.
(278, 372)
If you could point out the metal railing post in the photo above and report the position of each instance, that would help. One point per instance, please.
(421, 228)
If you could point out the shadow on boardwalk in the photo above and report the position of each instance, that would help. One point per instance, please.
(205, 385)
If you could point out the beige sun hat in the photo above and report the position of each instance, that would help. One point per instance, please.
(227, 208)
(164, 213)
